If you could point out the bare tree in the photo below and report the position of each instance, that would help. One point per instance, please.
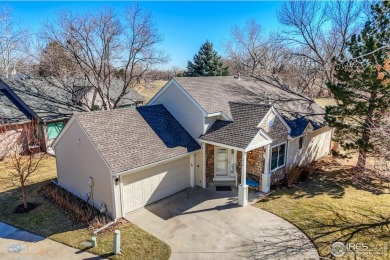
(318, 31)
(13, 41)
(21, 148)
(113, 54)
(251, 50)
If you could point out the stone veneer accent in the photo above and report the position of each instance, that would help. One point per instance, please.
(254, 163)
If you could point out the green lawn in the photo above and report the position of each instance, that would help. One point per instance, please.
(331, 207)
(50, 221)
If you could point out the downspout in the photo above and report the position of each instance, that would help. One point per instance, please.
(121, 195)
(105, 226)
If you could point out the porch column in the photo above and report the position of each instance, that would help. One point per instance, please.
(204, 165)
(243, 188)
(266, 176)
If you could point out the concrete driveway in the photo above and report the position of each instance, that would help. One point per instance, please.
(207, 224)
(20, 244)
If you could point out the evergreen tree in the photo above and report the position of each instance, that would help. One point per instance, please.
(206, 63)
(362, 88)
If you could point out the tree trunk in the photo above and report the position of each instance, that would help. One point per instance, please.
(362, 158)
(24, 197)
(361, 163)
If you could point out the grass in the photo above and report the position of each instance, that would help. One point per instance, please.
(50, 221)
(330, 207)
(150, 89)
(323, 102)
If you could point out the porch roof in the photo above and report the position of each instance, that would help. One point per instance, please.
(242, 130)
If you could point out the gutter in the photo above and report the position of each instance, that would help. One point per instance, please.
(125, 172)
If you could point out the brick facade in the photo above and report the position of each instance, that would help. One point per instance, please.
(209, 163)
(254, 163)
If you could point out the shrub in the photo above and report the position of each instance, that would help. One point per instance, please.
(300, 173)
(293, 175)
(79, 209)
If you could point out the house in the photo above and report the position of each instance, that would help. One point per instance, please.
(129, 99)
(194, 131)
(24, 98)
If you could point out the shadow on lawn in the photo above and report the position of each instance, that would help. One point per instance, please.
(358, 225)
(326, 180)
(331, 178)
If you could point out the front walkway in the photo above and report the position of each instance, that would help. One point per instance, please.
(20, 244)
(205, 224)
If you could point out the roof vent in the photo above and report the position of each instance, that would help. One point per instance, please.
(238, 76)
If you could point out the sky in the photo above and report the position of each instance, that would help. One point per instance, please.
(184, 25)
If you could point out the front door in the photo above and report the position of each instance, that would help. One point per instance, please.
(224, 163)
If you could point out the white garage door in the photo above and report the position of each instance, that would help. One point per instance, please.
(147, 186)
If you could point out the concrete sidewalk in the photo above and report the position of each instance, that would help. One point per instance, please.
(20, 244)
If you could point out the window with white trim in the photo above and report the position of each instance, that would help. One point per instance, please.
(278, 155)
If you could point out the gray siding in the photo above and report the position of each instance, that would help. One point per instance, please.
(77, 161)
(183, 109)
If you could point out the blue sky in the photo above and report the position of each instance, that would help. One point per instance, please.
(184, 25)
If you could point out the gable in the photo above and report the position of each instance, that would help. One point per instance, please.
(73, 140)
(183, 108)
(278, 131)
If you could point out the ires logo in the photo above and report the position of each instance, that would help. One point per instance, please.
(338, 249)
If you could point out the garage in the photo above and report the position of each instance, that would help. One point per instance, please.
(147, 186)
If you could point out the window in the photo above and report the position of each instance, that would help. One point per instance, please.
(301, 142)
(54, 129)
(278, 154)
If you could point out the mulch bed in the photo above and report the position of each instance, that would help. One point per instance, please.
(21, 209)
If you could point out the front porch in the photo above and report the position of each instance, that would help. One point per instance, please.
(243, 169)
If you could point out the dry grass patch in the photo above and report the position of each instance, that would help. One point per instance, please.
(329, 207)
(148, 90)
(323, 102)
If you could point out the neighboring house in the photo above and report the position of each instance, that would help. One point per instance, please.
(194, 131)
(48, 101)
(129, 99)
(26, 99)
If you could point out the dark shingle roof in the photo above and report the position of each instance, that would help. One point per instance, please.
(241, 131)
(10, 112)
(214, 94)
(131, 138)
(129, 98)
(47, 98)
